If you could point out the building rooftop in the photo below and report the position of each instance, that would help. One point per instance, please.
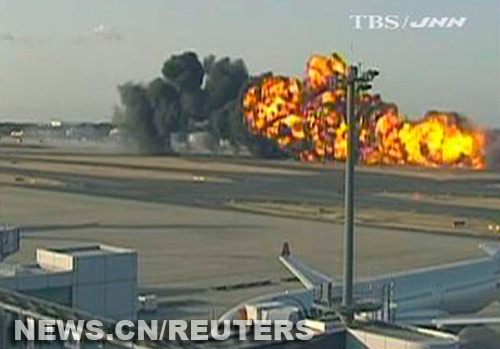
(88, 250)
(10, 270)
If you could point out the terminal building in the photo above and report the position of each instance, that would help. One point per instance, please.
(97, 279)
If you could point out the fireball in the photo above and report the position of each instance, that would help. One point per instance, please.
(308, 118)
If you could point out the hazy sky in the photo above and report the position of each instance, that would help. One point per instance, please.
(64, 58)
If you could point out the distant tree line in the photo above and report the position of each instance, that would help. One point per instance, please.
(189, 95)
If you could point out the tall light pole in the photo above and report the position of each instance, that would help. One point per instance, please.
(347, 294)
(354, 84)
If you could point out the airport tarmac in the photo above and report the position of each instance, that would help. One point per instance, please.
(178, 214)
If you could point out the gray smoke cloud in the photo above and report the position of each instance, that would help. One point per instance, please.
(135, 119)
(165, 101)
(494, 149)
(187, 93)
(225, 85)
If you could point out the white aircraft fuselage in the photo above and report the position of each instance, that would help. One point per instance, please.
(459, 288)
(415, 297)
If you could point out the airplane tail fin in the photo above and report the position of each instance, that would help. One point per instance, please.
(308, 277)
(285, 250)
(493, 250)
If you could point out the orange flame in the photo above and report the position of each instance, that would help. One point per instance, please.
(308, 119)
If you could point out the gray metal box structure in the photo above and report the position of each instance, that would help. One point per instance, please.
(98, 279)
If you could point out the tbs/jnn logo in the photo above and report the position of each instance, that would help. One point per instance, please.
(394, 22)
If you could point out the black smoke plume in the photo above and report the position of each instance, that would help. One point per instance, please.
(188, 93)
(167, 112)
(135, 119)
